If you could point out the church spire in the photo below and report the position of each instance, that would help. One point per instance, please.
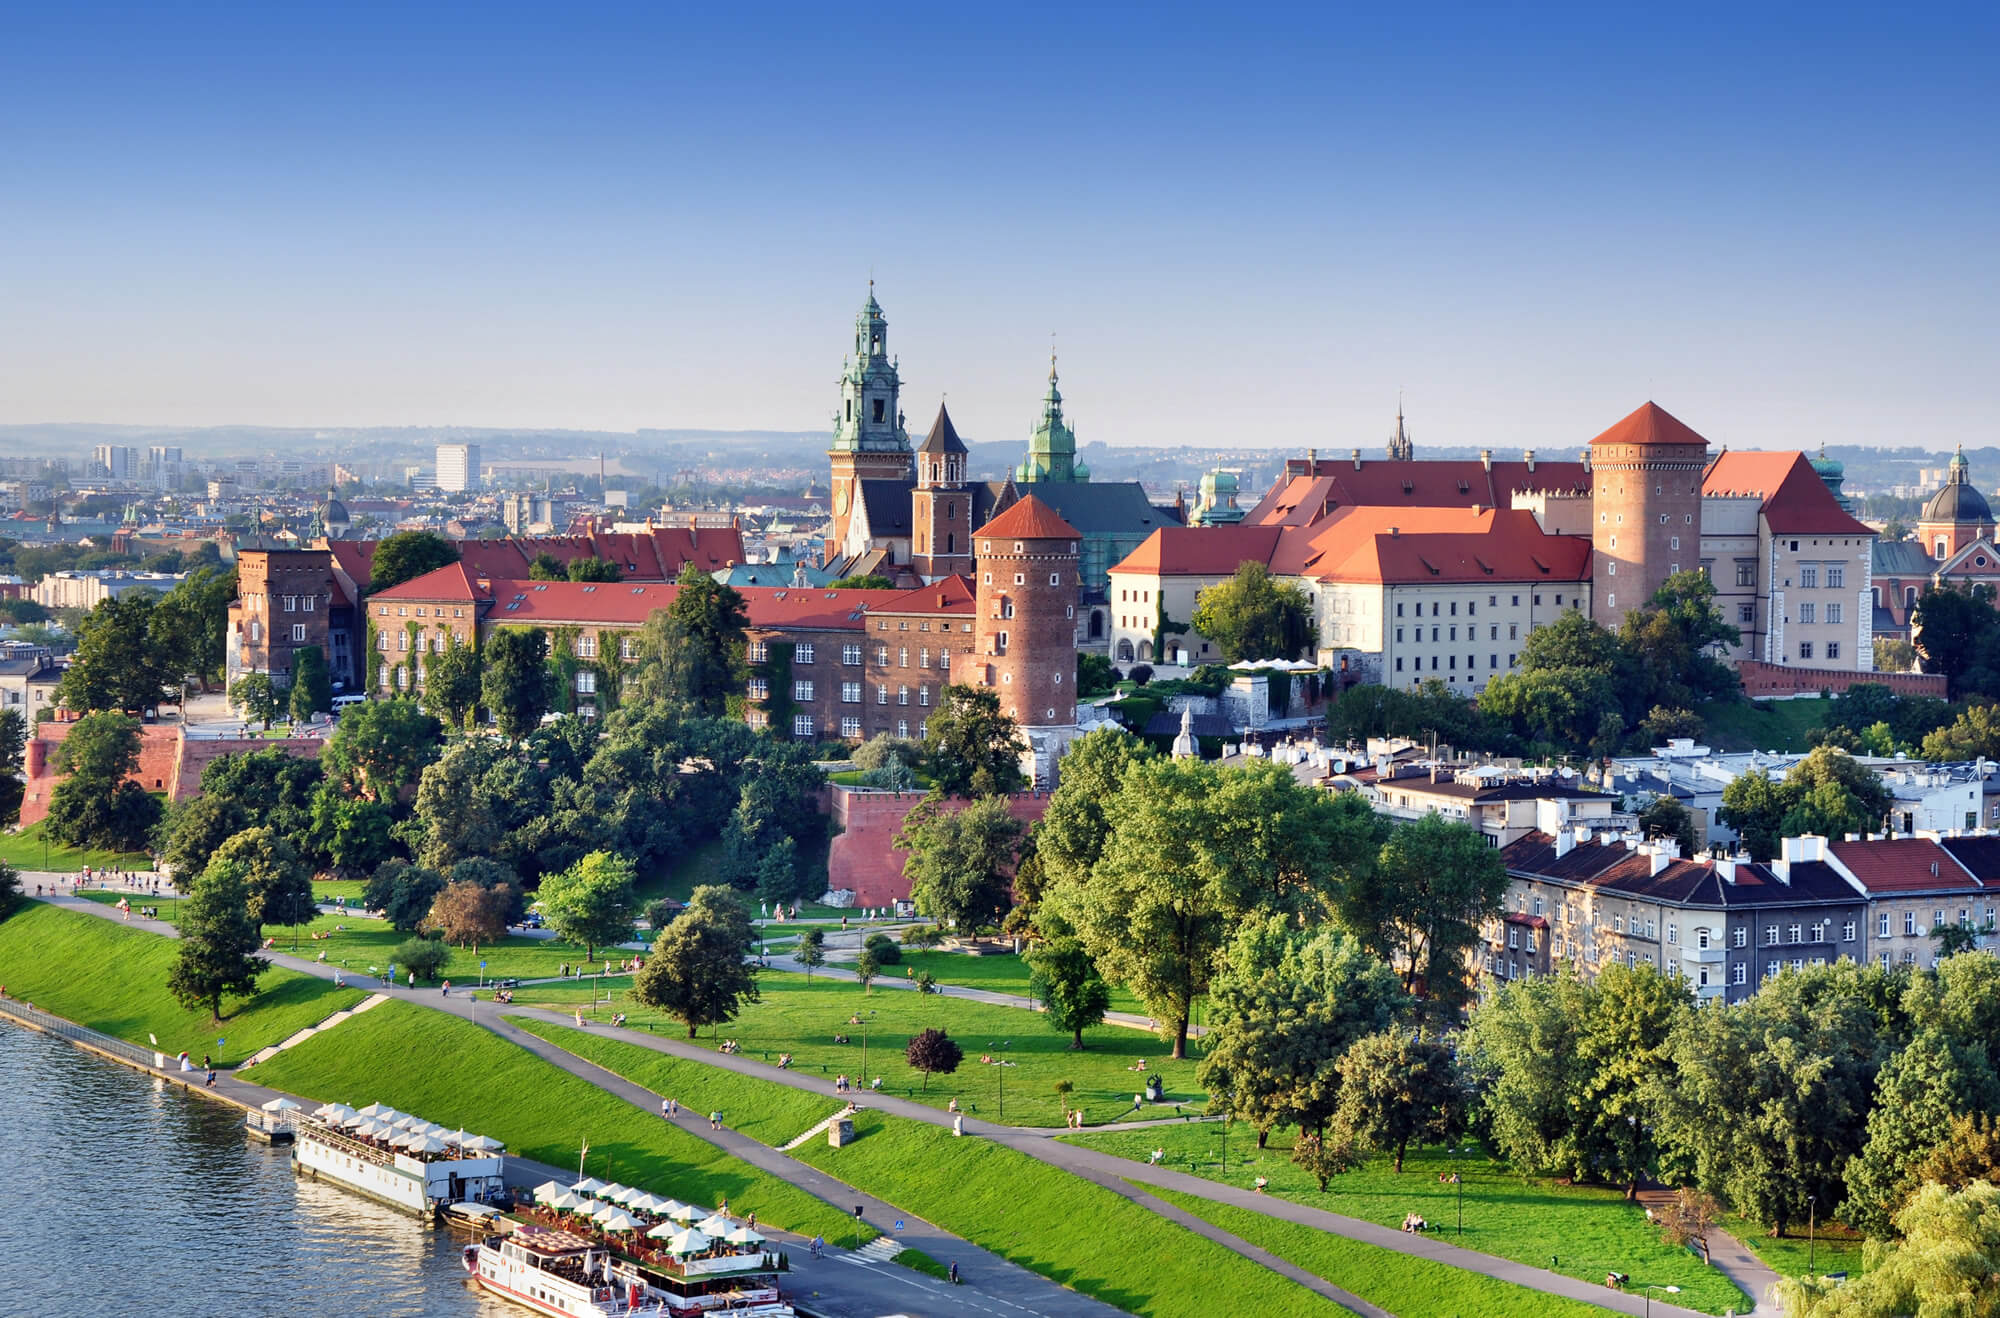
(1052, 446)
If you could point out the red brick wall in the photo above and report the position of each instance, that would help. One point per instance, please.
(864, 858)
(1762, 681)
(167, 762)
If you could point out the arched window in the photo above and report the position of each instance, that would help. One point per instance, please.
(1096, 624)
(1124, 652)
(1146, 651)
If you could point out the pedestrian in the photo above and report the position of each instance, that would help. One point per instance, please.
(819, 1247)
(666, 1109)
(751, 1221)
(205, 1064)
(715, 1121)
(673, 1107)
(211, 1077)
(444, 989)
(954, 1272)
(413, 979)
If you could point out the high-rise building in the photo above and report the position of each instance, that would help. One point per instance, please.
(458, 467)
(165, 467)
(120, 462)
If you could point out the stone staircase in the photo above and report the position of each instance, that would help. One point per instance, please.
(309, 1031)
(879, 1250)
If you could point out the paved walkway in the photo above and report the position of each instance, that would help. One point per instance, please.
(1729, 1256)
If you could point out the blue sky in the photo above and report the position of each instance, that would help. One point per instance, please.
(1244, 225)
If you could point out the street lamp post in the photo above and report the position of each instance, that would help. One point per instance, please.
(1003, 1079)
(1671, 1290)
(1812, 1234)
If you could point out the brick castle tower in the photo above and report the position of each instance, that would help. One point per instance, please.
(869, 442)
(1645, 474)
(1028, 583)
(941, 507)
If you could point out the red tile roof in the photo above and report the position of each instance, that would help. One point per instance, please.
(1377, 482)
(1650, 424)
(654, 555)
(1030, 519)
(1911, 864)
(627, 604)
(1795, 499)
(1201, 550)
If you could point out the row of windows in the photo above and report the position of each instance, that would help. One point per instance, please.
(256, 632)
(805, 728)
(1806, 649)
(1472, 606)
(403, 611)
(1471, 662)
(1492, 633)
(1831, 614)
(1836, 576)
(923, 625)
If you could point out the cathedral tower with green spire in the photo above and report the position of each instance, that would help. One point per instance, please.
(1052, 447)
(869, 441)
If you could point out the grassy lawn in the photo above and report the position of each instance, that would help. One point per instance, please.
(1766, 725)
(1588, 1231)
(453, 1072)
(325, 890)
(801, 1018)
(767, 1112)
(25, 851)
(1005, 973)
(1059, 1225)
(1836, 1249)
(355, 943)
(114, 979)
(1405, 1286)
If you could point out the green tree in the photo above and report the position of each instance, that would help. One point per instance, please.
(97, 804)
(1663, 816)
(811, 951)
(974, 749)
(1917, 1095)
(1829, 793)
(516, 686)
(1421, 906)
(590, 903)
(1621, 1050)
(379, 747)
(1563, 707)
(961, 860)
(547, 567)
(1975, 734)
(452, 683)
(866, 581)
(1251, 616)
(1094, 675)
(1952, 631)
(1968, 1152)
(933, 1052)
(1074, 996)
(778, 873)
(593, 569)
(1663, 724)
(403, 892)
(13, 753)
(277, 885)
(353, 835)
(1672, 644)
(117, 664)
(312, 689)
(866, 967)
(191, 624)
(700, 971)
(1946, 1266)
(423, 957)
(1076, 825)
(1397, 1090)
(1526, 1044)
(407, 555)
(1286, 1007)
(217, 950)
(1893, 655)
(693, 650)
(257, 697)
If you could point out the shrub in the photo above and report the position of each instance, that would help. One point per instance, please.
(884, 949)
(1141, 673)
(425, 956)
(883, 749)
(920, 936)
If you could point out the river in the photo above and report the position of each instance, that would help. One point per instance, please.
(125, 1195)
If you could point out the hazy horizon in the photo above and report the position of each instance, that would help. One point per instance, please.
(1251, 229)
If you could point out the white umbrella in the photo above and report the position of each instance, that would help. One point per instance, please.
(614, 1192)
(629, 1196)
(590, 1207)
(680, 1212)
(324, 1110)
(426, 1144)
(743, 1235)
(281, 1105)
(408, 1122)
(342, 1115)
(619, 1220)
(403, 1140)
(664, 1231)
(588, 1185)
(377, 1110)
(482, 1144)
(715, 1224)
(567, 1201)
(548, 1192)
(645, 1203)
(605, 1212)
(689, 1241)
(367, 1127)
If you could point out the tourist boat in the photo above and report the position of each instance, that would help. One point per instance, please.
(568, 1274)
(470, 1218)
(399, 1160)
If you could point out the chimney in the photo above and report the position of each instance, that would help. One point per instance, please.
(1529, 458)
(1565, 843)
(1661, 854)
(1486, 458)
(1725, 868)
(1312, 458)
(1395, 531)
(1357, 459)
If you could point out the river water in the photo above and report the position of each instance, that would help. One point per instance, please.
(120, 1194)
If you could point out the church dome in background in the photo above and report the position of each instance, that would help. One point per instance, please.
(1959, 500)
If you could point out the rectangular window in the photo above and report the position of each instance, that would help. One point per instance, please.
(306, 603)
(924, 696)
(1847, 932)
(902, 695)
(882, 695)
(1808, 578)
(586, 646)
(1673, 934)
(804, 653)
(1805, 649)
(1771, 936)
(1701, 940)
(1796, 933)
(1836, 579)
(1833, 613)
(1882, 926)
(1909, 922)
(850, 653)
(1737, 973)
(1805, 612)
(850, 693)
(760, 688)
(586, 682)
(802, 726)
(850, 727)
(298, 633)
(759, 652)
(1399, 663)
(802, 688)
(1833, 649)
(1746, 613)
(292, 605)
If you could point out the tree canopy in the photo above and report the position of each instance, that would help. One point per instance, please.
(406, 556)
(216, 953)
(98, 804)
(591, 903)
(700, 970)
(1251, 616)
(974, 749)
(1829, 792)
(693, 651)
(961, 860)
(119, 664)
(515, 683)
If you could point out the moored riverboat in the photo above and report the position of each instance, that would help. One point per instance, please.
(397, 1159)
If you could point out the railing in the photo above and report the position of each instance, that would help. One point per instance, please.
(80, 1033)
